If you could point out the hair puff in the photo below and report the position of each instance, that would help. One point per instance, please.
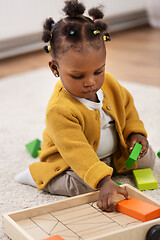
(96, 13)
(46, 36)
(101, 26)
(47, 28)
(73, 8)
(48, 24)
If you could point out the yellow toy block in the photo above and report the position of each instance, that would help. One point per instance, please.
(145, 179)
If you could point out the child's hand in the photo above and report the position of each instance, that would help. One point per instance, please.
(138, 138)
(107, 194)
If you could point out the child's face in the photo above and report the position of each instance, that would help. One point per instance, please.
(82, 74)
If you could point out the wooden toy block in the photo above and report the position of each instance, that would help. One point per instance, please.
(158, 154)
(55, 237)
(78, 218)
(145, 179)
(33, 147)
(138, 209)
(134, 155)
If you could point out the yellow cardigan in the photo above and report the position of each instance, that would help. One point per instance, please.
(72, 134)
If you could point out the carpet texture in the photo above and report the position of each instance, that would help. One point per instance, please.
(23, 100)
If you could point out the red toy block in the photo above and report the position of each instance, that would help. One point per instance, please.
(55, 237)
(138, 209)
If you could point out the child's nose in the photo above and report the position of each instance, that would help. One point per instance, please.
(90, 82)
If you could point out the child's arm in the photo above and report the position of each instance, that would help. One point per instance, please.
(134, 131)
(138, 138)
(108, 191)
(133, 124)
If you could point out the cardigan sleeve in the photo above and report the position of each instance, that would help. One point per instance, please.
(67, 132)
(133, 124)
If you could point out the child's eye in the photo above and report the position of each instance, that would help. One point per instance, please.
(77, 77)
(97, 73)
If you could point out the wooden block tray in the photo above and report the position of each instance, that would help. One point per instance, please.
(77, 218)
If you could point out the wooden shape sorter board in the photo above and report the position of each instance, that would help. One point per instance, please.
(78, 218)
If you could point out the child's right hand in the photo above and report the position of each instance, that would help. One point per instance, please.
(108, 192)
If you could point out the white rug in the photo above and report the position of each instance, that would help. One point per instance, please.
(23, 100)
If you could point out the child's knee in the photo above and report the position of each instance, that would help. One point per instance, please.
(67, 184)
(76, 188)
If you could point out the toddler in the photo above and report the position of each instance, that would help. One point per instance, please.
(91, 121)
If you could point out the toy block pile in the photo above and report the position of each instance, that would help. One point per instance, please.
(144, 178)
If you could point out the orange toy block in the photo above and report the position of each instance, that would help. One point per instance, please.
(55, 237)
(138, 209)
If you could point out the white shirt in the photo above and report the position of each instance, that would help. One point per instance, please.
(108, 138)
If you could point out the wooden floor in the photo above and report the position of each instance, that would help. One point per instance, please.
(132, 55)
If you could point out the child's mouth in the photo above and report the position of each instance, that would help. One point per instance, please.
(90, 91)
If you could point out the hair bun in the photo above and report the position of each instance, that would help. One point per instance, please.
(47, 27)
(101, 26)
(46, 35)
(96, 13)
(48, 24)
(73, 8)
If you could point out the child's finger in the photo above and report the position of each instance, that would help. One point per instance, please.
(123, 192)
(142, 153)
(107, 204)
(103, 204)
(99, 204)
(111, 203)
(143, 150)
(132, 143)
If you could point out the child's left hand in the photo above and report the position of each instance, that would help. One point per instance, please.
(138, 138)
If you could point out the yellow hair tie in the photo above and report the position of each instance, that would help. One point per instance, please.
(96, 32)
(49, 48)
(104, 38)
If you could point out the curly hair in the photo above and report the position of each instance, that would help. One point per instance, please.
(75, 30)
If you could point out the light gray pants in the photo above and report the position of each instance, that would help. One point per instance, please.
(69, 183)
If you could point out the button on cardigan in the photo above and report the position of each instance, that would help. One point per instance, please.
(72, 131)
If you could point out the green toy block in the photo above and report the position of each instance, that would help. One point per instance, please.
(134, 155)
(145, 179)
(158, 154)
(33, 147)
(117, 182)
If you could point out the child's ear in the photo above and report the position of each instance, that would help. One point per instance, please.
(54, 68)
